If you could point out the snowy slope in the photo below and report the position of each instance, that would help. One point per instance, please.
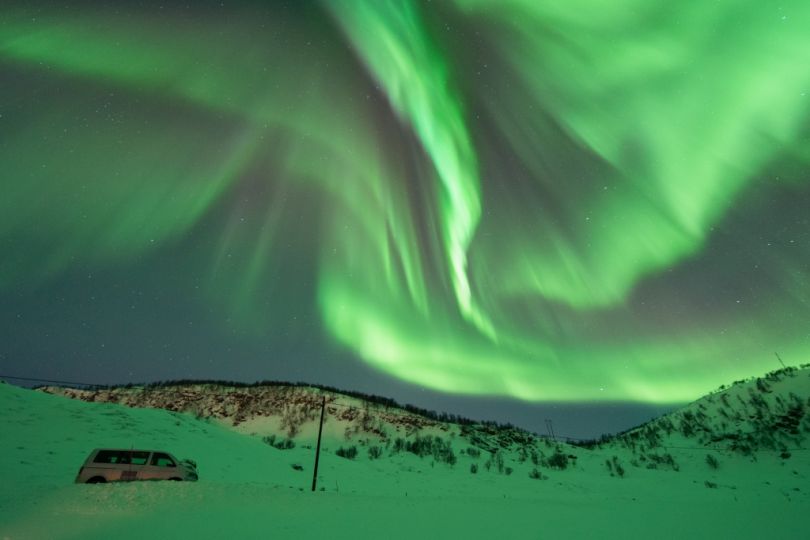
(249, 488)
(761, 415)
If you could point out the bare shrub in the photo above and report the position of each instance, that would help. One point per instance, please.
(348, 453)
(534, 474)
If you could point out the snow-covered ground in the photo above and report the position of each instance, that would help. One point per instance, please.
(654, 482)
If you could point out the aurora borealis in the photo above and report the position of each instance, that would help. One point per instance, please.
(576, 201)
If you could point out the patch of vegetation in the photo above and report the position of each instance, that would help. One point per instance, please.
(558, 460)
(281, 444)
(441, 450)
(655, 461)
(763, 387)
(615, 467)
(474, 468)
(535, 474)
(712, 462)
(688, 424)
(375, 452)
(348, 453)
(496, 460)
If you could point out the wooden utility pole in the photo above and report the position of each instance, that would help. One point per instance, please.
(318, 447)
(780, 359)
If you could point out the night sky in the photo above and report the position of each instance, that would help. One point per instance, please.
(513, 209)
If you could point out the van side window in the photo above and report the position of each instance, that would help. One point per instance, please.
(108, 456)
(162, 460)
(139, 458)
(122, 457)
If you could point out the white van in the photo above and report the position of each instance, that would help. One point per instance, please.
(110, 465)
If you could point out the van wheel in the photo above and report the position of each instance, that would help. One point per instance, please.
(97, 480)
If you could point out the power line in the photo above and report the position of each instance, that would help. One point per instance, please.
(702, 448)
(730, 450)
(30, 379)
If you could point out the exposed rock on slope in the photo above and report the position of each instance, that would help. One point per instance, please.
(291, 406)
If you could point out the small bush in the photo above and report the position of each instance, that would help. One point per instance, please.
(712, 462)
(665, 460)
(473, 452)
(498, 459)
(615, 467)
(710, 485)
(507, 471)
(473, 468)
(375, 452)
(534, 474)
(281, 444)
(687, 427)
(286, 444)
(558, 460)
(348, 453)
(618, 467)
(441, 450)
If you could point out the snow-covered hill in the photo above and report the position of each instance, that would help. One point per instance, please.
(760, 418)
(289, 414)
(761, 415)
(390, 473)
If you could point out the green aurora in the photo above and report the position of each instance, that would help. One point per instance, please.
(549, 201)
